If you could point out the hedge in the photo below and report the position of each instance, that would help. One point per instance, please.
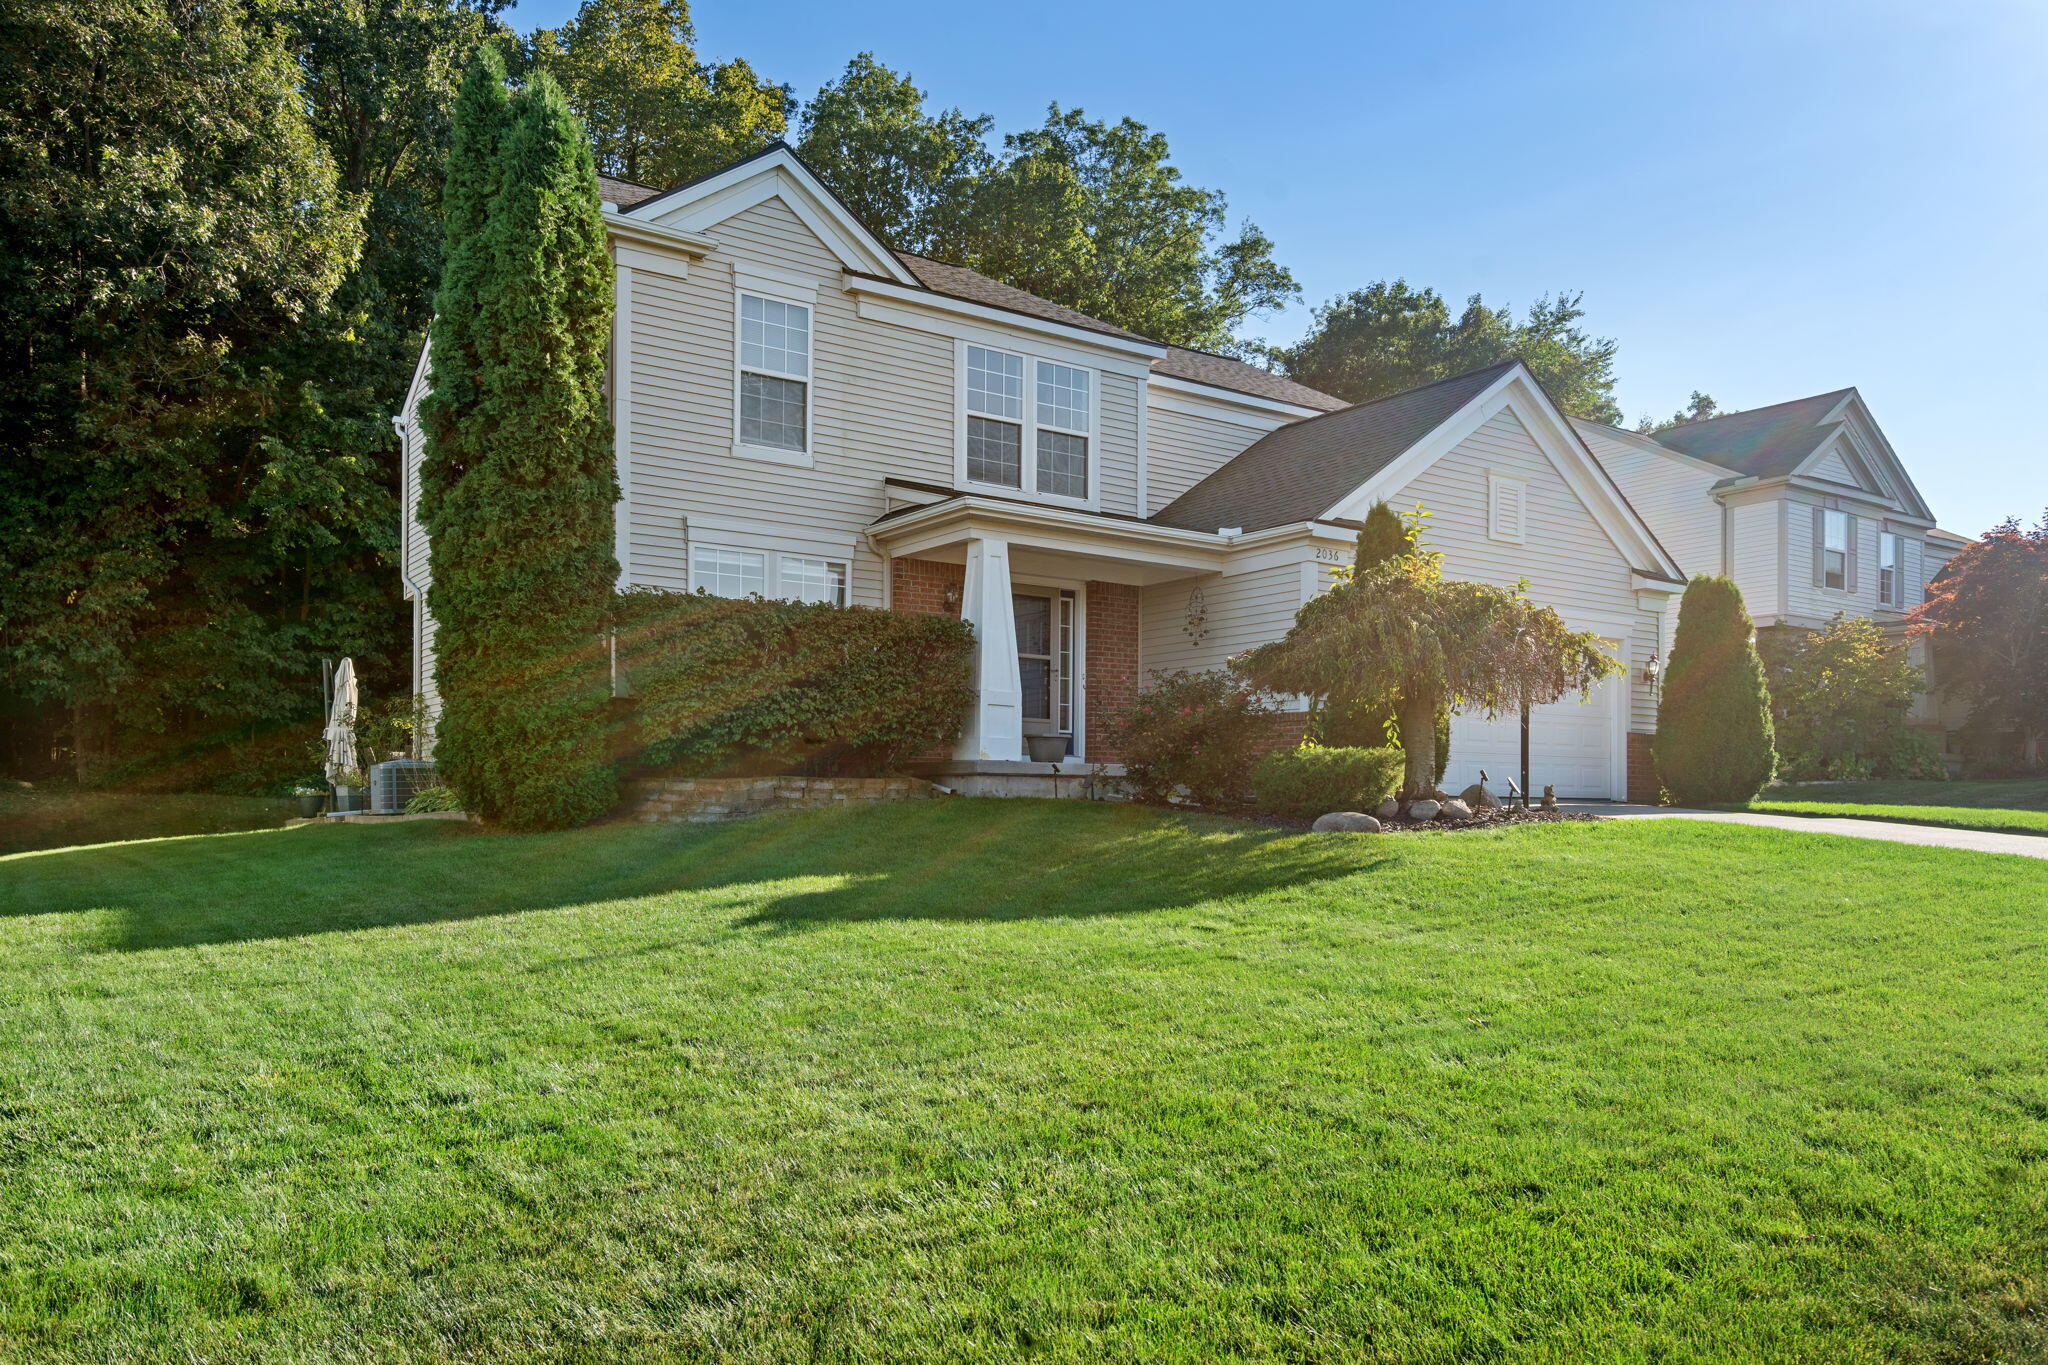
(718, 682)
(1313, 780)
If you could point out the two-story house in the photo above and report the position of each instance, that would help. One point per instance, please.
(801, 411)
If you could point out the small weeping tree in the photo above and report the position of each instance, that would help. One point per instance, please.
(1399, 624)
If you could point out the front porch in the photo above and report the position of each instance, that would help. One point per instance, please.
(1053, 597)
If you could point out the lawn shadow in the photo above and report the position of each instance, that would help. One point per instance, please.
(958, 860)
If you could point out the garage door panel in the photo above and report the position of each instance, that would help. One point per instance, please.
(1571, 747)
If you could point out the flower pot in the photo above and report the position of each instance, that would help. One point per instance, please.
(1046, 748)
(309, 806)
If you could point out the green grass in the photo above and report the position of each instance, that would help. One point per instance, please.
(985, 1081)
(2015, 806)
(58, 815)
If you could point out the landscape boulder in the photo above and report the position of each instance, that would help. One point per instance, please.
(1479, 797)
(1346, 822)
(1389, 809)
(1424, 809)
(1454, 810)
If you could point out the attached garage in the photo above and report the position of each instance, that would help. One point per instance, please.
(1576, 746)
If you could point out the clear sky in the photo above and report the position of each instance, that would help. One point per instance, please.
(1761, 200)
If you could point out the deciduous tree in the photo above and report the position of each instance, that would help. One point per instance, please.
(1986, 615)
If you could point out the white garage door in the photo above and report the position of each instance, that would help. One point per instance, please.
(1571, 747)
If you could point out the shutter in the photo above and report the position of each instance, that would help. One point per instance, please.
(1820, 545)
(1851, 555)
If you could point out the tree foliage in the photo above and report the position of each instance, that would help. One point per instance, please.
(657, 114)
(1438, 643)
(1390, 336)
(868, 136)
(1840, 698)
(521, 468)
(1986, 616)
(1700, 408)
(1714, 732)
(1197, 734)
(1313, 779)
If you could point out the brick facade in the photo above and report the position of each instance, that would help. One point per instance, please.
(1643, 785)
(1111, 665)
(920, 586)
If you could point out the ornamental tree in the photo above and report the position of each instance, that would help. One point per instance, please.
(1714, 732)
(1986, 615)
(1840, 703)
(521, 472)
(1438, 643)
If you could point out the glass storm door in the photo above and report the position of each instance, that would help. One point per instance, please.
(1045, 658)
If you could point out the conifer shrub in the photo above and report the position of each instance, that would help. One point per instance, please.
(1312, 780)
(721, 683)
(1714, 732)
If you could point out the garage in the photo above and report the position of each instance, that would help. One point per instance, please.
(1574, 746)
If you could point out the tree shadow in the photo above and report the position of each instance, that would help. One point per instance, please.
(951, 861)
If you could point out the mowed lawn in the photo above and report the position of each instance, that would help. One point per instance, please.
(2017, 806)
(990, 1081)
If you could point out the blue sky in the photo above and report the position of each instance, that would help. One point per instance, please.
(1762, 200)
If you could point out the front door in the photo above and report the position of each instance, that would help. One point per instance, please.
(1045, 659)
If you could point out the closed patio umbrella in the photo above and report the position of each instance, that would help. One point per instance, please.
(341, 722)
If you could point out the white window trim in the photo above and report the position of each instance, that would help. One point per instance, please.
(1496, 485)
(1892, 540)
(1847, 552)
(779, 287)
(771, 566)
(1030, 424)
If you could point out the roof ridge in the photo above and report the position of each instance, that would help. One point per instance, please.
(1398, 393)
(1746, 412)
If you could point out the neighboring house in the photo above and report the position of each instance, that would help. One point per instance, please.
(802, 412)
(1804, 504)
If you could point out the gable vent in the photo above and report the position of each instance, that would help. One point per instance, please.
(1508, 503)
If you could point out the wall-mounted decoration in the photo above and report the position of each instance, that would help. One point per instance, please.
(1197, 624)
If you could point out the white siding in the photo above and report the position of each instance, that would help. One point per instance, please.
(1239, 609)
(1753, 533)
(416, 569)
(1833, 467)
(1570, 561)
(1807, 604)
(1187, 440)
(1674, 497)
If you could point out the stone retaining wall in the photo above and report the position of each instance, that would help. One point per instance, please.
(700, 799)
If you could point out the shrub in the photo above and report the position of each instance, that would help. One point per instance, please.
(1197, 732)
(429, 799)
(1714, 730)
(719, 681)
(1311, 780)
(1840, 698)
(1370, 724)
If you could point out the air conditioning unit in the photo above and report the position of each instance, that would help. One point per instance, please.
(393, 784)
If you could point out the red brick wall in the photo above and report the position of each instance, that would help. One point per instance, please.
(1111, 666)
(1643, 785)
(1284, 730)
(920, 586)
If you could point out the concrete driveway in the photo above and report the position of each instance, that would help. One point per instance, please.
(1933, 836)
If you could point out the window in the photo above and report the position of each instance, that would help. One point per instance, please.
(812, 580)
(1891, 577)
(1056, 426)
(1506, 499)
(775, 370)
(1834, 555)
(728, 573)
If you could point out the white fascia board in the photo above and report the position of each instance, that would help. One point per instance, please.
(776, 174)
(1863, 499)
(1047, 527)
(925, 310)
(657, 237)
(416, 387)
(1653, 446)
(1169, 384)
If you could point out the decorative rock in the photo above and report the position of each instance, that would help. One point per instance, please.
(1346, 822)
(1389, 809)
(1424, 809)
(1454, 810)
(1479, 797)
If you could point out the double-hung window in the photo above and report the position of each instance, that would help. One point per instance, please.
(727, 571)
(774, 375)
(1891, 578)
(1030, 424)
(1834, 554)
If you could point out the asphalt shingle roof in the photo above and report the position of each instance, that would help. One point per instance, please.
(1763, 443)
(624, 193)
(1300, 471)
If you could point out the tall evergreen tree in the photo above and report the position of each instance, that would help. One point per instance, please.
(523, 561)
(1714, 734)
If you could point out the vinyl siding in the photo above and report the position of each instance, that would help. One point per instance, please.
(1753, 533)
(1833, 467)
(1182, 447)
(1675, 499)
(1240, 610)
(1569, 560)
(416, 569)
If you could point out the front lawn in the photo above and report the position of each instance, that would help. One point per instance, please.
(57, 815)
(985, 1081)
(2016, 806)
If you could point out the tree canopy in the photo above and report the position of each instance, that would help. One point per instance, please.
(1700, 408)
(1391, 336)
(1986, 615)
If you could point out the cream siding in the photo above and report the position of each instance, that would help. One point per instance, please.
(1240, 609)
(1833, 467)
(1674, 497)
(1188, 439)
(1754, 557)
(1570, 561)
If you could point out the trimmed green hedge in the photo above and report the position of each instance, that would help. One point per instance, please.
(718, 682)
(1313, 780)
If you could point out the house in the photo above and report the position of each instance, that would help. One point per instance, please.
(801, 411)
(1804, 504)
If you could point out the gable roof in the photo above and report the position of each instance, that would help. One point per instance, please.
(959, 282)
(1302, 470)
(1765, 443)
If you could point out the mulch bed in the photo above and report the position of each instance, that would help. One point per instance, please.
(1492, 818)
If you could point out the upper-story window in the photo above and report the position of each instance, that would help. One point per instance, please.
(1030, 423)
(1834, 554)
(1891, 576)
(774, 374)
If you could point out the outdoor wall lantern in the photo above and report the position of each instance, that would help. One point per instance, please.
(952, 598)
(1653, 669)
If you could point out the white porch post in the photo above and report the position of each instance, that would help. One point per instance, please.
(995, 723)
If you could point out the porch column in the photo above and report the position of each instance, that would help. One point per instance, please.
(995, 723)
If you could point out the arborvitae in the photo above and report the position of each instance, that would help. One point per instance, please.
(1343, 722)
(523, 556)
(1714, 732)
